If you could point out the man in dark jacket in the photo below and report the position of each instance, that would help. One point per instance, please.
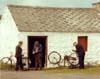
(81, 54)
(18, 56)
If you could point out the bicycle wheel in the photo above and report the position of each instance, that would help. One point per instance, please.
(73, 59)
(6, 62)
(54, 57)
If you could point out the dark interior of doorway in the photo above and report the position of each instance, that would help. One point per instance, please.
(42, 41)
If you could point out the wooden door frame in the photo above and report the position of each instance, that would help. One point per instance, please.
(46, 48)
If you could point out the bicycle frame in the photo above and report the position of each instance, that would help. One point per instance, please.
(67, 58)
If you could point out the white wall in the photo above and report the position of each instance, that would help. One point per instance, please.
(62, 42)
(8, 34)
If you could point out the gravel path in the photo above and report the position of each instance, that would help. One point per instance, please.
(43, 75)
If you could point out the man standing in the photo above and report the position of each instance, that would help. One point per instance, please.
(37, 50)
(18, 56)
(81, 54)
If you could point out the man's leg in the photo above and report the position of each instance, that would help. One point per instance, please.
(83, 61)
(80, 62)
(17, 63)
(40, 61)
(21, 64)
(36, 61)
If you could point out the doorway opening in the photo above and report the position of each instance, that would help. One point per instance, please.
(43, 41)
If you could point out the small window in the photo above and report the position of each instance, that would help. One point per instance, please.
(83, 40)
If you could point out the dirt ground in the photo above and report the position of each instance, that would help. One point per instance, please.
(43, 75)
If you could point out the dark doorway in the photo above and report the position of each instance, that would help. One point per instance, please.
(43, 41)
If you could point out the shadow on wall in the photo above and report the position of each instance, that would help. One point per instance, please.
(0, 17)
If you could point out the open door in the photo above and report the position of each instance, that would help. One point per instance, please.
(43, 41)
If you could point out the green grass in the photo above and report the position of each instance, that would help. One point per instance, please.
(90, 70)
(4, 66)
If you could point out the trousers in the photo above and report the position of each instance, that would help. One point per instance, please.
(81, 61)
(19, 64)
(38, 61)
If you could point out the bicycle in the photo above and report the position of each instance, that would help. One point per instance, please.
(55, 58)
(8, 62)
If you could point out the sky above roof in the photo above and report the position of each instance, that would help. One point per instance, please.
(50, 3)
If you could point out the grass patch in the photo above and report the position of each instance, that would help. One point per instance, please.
(4, 66)
(88, 70)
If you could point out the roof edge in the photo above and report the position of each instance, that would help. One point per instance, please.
(43, 7)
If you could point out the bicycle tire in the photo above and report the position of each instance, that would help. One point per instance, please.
(73, 59)
(57, 60)
(7, 61)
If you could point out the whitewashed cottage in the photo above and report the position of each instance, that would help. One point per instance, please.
(55, 28)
